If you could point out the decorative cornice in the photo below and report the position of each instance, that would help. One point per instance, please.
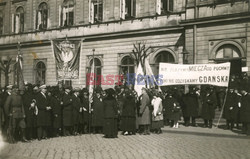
(17, 1)
(216, 19)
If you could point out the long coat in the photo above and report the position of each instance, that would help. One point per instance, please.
(208, 107)
(110, 116)
(97, 114)
(168, 104)
(43, 116)
(67, 110)
(144, 110)
(245, 108)
(57, 111)
(231, 108)
(29, 111)
(84, 116)
(76, 102)
(191, 105)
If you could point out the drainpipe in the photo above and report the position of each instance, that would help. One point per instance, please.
(195, 34)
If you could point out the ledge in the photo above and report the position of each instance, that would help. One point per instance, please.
(213, 19)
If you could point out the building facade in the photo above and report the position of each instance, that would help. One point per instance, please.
(174, 31)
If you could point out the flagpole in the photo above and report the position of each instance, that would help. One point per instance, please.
(93, 64)
(20, 79)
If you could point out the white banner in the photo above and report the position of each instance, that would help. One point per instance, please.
(200, 74)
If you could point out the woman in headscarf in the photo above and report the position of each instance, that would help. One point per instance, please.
(157, 115)
(128, 114)
(110, 115)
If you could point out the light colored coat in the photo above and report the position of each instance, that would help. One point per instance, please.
(144, 110)
(157, 114)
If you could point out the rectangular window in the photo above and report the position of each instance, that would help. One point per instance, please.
(96, 11)
(67, 16)
(130, 8)
(18, 23)
(164, 6)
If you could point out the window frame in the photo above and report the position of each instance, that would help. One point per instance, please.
(44, 16)
(18, 24)
(67, 10)
(43, 70)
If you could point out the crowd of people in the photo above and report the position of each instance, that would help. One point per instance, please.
(41, 112)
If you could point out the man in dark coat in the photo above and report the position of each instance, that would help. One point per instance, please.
(97, 113)
(6, 93)
(245, 111)
(44, 113)
(76, 102)
(85, 115)
(29, 108)
(191, 106)
(56, 111)
(208, 107)
(145, 118)
(15, 111)
(230, 112)
(67, 112)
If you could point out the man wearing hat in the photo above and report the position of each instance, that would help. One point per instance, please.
(14, 110)
(67, 111)
(208, 107)
(43, 114)
(245, 110)
(76, 102)
(230, 111)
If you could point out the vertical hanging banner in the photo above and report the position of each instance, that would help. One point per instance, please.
(210, 74)
(67, 56)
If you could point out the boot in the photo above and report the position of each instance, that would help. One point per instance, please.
(23, 135)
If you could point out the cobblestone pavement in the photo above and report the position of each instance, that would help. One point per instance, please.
(185, 142)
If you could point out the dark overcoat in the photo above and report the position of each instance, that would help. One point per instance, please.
(208, 107)
(231, 109)
(56, 111)
(191, 105)
(67, 110)
(168, 104)
(76, 102)
(44, 115)
(129, 107)
(97, 114)
(84, 116)
(245, 108)
(29, 111)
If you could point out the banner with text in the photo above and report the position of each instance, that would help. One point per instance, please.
(200, 74)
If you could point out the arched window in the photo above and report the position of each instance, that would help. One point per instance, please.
(67, 14)
(98, 70)
(163, 56)
(227, 51)
(230, 53)
(40, 71)
(1, 22)
(42, 16)
(18, 20)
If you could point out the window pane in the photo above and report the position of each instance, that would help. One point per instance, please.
(219, 54)
(228, 52)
